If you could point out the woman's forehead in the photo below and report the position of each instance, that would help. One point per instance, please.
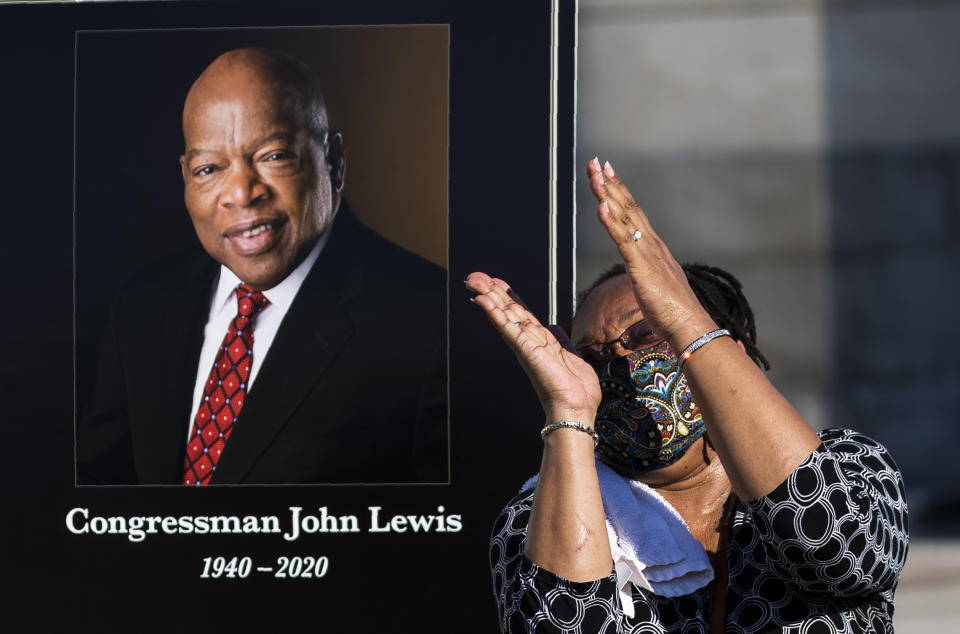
(611, 307)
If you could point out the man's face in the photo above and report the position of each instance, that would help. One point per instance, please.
(256, 184)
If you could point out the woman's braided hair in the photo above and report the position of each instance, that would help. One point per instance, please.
(719, 292)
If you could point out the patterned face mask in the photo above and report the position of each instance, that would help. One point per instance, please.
(647, 418)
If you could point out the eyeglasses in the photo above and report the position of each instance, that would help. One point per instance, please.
(636, 337)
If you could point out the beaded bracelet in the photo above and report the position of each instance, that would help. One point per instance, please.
(699, 343)
(572, 425)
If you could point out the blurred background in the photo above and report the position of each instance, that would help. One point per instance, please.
(812, 148)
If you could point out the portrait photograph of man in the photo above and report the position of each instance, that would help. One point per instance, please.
(237, 320)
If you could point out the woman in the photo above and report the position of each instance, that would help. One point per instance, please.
(782, 529)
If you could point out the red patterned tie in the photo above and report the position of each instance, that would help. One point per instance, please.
(224, 391)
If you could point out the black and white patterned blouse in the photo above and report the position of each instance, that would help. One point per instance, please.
(822, 553)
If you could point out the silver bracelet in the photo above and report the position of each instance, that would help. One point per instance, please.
(699, 343)
(572, 425)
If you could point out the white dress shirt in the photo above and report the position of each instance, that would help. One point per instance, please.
(223, 308)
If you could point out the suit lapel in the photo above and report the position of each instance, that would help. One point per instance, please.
(311, 334)
(179, 327)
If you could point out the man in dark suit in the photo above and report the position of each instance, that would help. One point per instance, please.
(333, 366)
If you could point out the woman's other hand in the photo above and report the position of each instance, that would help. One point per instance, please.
(566, 533)
(566, 385)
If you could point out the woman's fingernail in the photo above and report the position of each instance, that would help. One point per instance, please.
(608, 170)
(596, 162)
(604, 208)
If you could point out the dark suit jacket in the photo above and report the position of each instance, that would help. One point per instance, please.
(353, 388)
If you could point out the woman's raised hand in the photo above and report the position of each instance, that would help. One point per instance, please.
(666, 300)
(566, 385)
(759, 436)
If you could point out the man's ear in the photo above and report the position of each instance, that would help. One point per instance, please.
(337, 159)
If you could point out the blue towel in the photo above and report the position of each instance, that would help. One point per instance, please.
(651, 545)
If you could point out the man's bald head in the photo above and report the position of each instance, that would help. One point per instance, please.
(262, 176)
(289, 83)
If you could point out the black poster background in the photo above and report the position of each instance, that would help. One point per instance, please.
(499, 185)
